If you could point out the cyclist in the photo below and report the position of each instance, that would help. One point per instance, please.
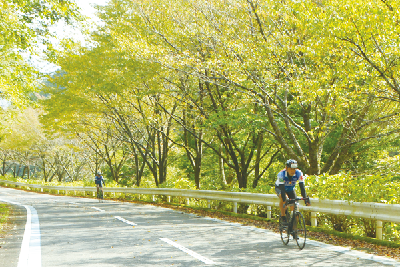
(99, 181)
(285, 184)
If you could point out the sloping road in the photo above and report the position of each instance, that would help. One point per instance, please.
(82, 232)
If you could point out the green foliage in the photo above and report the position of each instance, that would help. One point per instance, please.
(23, 25)
(22, 131)
(179, 183)
(362, 188)
(377, 187)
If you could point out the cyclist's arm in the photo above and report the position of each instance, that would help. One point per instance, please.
(303, 193)
(303, 190)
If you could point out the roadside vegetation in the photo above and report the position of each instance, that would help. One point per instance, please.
(4, 218)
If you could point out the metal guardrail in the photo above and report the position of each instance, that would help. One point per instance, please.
(369, 210)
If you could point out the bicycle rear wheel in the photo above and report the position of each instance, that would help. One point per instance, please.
(100, 196)
(284, 229)
(301, 231)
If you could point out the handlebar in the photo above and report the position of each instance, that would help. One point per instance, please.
(294, 200)
(291, 201)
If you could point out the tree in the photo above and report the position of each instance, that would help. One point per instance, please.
(21, 133)
(370, 32)
(284, 61)
(100, 138)
(261, 79)
(24, 25)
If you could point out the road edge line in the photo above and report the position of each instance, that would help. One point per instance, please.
(31, 252)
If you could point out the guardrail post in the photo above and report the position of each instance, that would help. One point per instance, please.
(41, 189)
(187, 201)
(235, 207)
(269, 216)
(169, 199)
(313, 219)
(154, 198)
(379, 226)
(208, 204)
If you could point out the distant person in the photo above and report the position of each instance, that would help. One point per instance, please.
(285, 184)
(99, 181)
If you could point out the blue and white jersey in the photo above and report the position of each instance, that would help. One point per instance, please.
(99, 180)
(289, 182)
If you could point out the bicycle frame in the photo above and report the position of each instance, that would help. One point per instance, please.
(100, 193)
(296, 221)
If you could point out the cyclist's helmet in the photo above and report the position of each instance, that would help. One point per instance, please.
(291, 163)
(99, 173)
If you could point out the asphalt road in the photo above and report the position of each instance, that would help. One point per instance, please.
(67, 231)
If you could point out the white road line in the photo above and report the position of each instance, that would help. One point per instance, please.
(98, 209)
(188, 251)
(31, 252)
(125, 221)
(347, 251)
(35, 255)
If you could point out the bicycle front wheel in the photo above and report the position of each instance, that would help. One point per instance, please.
(284, 229)
(301, 231)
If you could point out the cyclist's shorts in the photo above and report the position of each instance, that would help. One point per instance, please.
(290, 194)
(99, 183)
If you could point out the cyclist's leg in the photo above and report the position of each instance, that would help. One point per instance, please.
(98, 188)
(278, 193)
(292, 195)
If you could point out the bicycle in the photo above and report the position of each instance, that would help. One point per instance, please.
(294, 225)
(100, 196)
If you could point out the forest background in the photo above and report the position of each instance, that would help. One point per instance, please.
(208, 94)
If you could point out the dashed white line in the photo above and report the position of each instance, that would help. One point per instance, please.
(188, 251)
(98, 209)
(125, 221)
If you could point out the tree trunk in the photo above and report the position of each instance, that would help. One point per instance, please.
(221, 167)
(258, 159)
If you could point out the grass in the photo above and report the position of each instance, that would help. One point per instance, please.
(4, 215)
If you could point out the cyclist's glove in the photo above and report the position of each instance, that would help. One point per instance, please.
(307, 201)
